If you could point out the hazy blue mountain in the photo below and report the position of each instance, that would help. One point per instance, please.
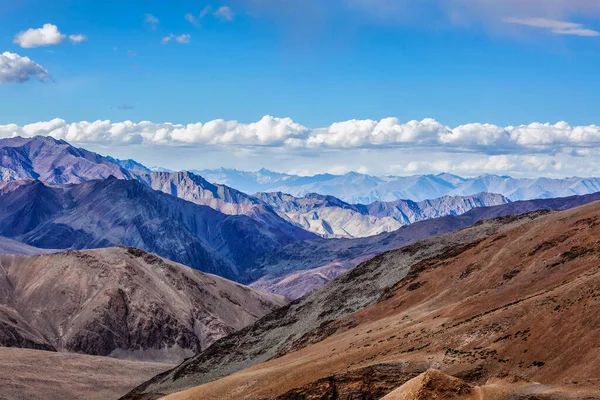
(355, 188)
(331, 217)
(259, 181)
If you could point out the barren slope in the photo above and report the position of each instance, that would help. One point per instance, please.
(523, 302)
(282, 330)
(27, 374)
(120, 302)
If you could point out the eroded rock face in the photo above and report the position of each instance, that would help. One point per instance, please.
(368, 383)
(120, 302)
(433, 385)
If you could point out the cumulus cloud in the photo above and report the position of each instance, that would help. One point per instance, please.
(183, 38)
(224, 13)
(47, 35)
(554, 26)
(387, 133)
(151, 20)
(192, 19)
(77, 38)
(17, 69)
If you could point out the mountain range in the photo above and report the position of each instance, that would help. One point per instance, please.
(104, 213)
(359, 188)
(298, 268)
(512, 299)
(465, 293)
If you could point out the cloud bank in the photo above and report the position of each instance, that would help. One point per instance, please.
(17, 69)
(353, 134)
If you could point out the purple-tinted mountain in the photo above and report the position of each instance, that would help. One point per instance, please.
(53, 161)
(110, 212)
(194, 188)
(331, 217)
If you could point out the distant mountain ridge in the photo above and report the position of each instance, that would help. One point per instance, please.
(330, 217)
(300, 267)
(359, 188)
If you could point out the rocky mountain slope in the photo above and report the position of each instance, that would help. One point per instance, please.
(330, 217)
(120, 302)
(300, 267)
(53, 161)
(365, 189)
(126, 212)
(286, 328)
(515, 296)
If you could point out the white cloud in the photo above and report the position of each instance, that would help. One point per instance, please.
(191, 19)
(151, 20)
(554, 26)
(205, 11)
(77, 38)
(17, 69)
(183, 38)
(499, 164)
(47, 35)
(224, 13)
(388, 133)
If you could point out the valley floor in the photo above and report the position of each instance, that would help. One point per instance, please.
(27, 374)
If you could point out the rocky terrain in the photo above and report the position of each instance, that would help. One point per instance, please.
(359, 188)
(291, 326)
(330, 217)
(53, 161)
(300, 267)
(120, 302)
(511, 297)
(27, 374)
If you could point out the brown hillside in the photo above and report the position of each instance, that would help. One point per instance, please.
(523, 303)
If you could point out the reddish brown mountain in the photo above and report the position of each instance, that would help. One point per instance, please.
(522, 302)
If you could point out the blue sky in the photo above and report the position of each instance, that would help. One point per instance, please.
(457, 61)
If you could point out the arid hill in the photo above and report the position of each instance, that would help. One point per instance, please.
(517, 296)
(27, 374)
(120, 302)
